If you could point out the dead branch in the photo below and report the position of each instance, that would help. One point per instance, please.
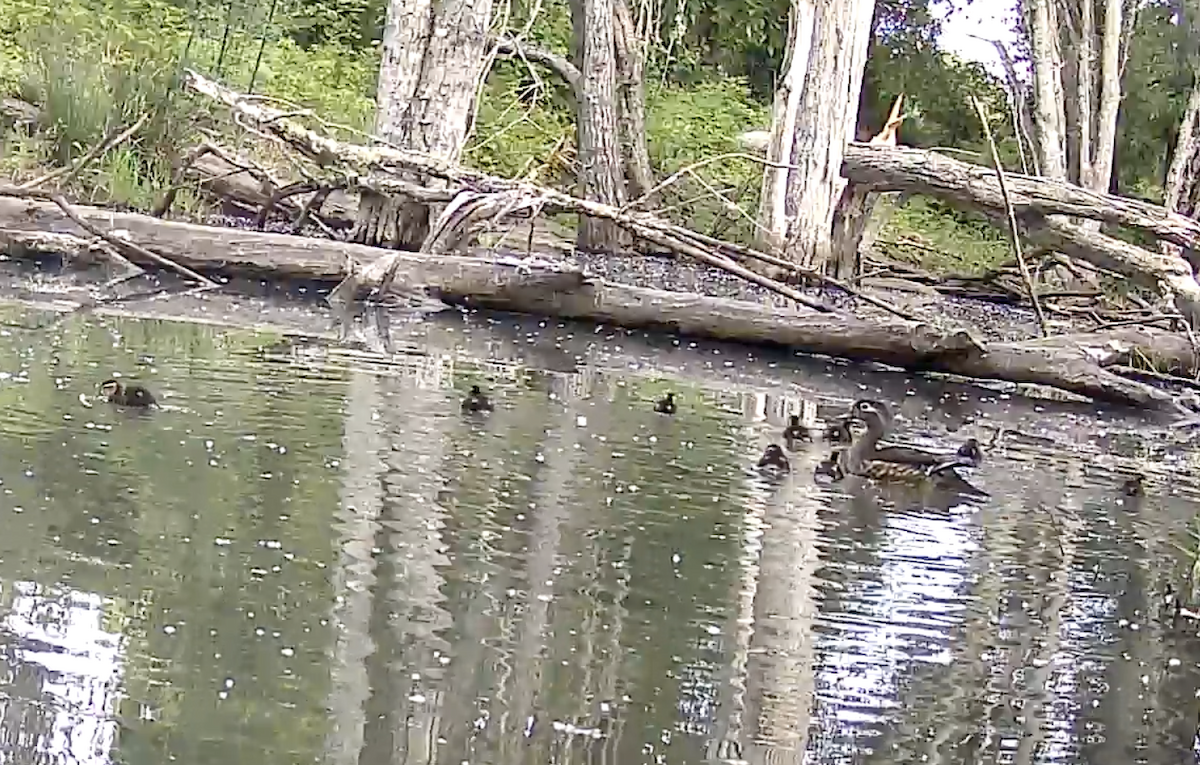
(116, 242)
(1039, 204)
(1014, 231)
(559, 64)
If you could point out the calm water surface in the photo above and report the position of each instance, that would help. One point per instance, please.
(309, 555)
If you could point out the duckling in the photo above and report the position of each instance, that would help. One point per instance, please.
(794, 433)
(774, 459)
(830, 468)
(838, 431)
(116, 392)
(666, 404)
(476, 401)
(861, 458)
(1134, 487)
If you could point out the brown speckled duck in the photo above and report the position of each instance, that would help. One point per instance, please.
(877, 417)
(864, 459)
(116, 392)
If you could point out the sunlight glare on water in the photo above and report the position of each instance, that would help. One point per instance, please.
(310, 554)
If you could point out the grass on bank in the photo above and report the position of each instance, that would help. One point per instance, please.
(94, 66)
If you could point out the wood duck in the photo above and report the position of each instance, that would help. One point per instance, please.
(1134, 487)
(115, 392)
(862, 458)
(666, 404)
(839, 432)
(774, 460)
(476, 401)
(877, 416)
(795, 433)
(830, 468)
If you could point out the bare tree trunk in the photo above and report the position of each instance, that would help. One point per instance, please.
(432, 65)
(1049, 117)
(815, 112)
(1182, 192)
(600, 163)
(1116, 38)
(1183, 178)
(1084, 87)
(630, 48)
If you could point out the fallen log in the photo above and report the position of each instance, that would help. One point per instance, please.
(1071, 363)
(1039, 204)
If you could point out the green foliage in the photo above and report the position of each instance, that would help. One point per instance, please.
(689, 125)
(942, 238)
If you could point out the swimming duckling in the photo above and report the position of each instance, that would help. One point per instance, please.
(774, 459)
(115, 392)
(862, 458)
(476, 401)
(794, 433)
(1134, 487)
(839, 432)
(830, 468)
(666, 404)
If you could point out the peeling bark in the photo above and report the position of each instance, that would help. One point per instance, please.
(1050, 121)
(630, 48)
(815, 112)
(600, 166)
(433, 60)
(1182, 192)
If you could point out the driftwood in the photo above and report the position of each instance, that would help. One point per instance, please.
(1072, 363)
(1037, 203)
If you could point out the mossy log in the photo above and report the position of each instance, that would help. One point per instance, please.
(1073, 363)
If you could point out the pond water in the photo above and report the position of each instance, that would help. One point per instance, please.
(310, 555)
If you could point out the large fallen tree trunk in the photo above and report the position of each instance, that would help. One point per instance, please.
(1037, 202)
(1072, 363)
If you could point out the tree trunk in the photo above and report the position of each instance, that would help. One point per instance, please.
(630, 48)
(815, 112)
(431, 68)
(1182, 188)
(600, 166)
(1050, 118)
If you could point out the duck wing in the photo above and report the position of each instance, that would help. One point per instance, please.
(908, 455)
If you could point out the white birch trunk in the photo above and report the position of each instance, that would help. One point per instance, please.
(815, 113)
(1114, 40)
(1049, 116)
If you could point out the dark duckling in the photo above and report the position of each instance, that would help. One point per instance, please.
(795, 433)
(839, 432)
(774, 460)
(666, 404)
(1134, 487)
(116, 392)
(830, 468)
(476, 401)
(861, 458)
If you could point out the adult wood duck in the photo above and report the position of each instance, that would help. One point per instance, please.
(877, 416)
(774, 460)
(116, 392)
(863, 457)
(476, 401)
